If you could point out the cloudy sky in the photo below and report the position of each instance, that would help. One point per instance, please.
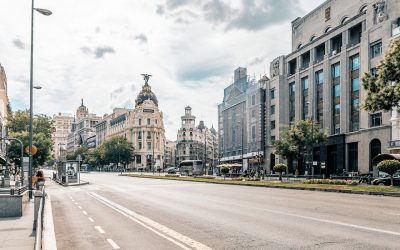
(97, 49)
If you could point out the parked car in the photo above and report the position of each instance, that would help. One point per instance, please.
(387, 181)
(172, 170)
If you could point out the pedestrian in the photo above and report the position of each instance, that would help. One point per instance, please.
(39, 180)
(17, 179)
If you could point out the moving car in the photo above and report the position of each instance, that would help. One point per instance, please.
(172, 170)
(387, 181)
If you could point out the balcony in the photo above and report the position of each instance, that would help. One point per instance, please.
(394, 144)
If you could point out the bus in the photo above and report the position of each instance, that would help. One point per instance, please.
(191, 167)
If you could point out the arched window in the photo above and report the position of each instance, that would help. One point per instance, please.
(375, 149)
(312, 38)
(363, 9)
(327, 29)
(344, 19)
(299, 46)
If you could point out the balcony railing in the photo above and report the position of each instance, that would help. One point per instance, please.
(394, 144)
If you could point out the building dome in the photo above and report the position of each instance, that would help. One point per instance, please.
(146, 94)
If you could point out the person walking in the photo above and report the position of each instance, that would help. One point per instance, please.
(39, 180)
(17, 179)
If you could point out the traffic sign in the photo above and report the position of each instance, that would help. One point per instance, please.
(34, 150)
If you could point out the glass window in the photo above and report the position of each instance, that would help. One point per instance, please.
(376, 119)
(336, 70)
(148, 121)
(273, 124)
(253, 132)
(253, 114)
(272, 109)
(355, 104)
(253, 100)
(355, 84)
(337, 108)
(320, 77)
(355, 63)
(140, 121)
(337, 90)
(376, 49)
(272, 93)
(305, 83)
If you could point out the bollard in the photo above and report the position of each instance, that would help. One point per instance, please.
(12, 191)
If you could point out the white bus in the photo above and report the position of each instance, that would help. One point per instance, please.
(191, 167)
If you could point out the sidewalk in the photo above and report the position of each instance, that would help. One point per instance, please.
(17, 232)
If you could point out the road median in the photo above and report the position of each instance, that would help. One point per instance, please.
(298, 185)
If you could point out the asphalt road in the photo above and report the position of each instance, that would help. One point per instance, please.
(131, 213)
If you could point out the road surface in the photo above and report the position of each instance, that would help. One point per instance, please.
(116, 212)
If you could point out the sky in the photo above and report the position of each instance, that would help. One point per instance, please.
(97, 49)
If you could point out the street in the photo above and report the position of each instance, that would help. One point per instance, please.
(115, 212)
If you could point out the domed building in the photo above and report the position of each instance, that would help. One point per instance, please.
(147, 130)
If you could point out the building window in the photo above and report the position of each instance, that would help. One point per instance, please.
(305, 101)
(273, 124)
(352, 149)
(272, 93)
(292, 101)
(336, 98)
(355, 84)
(375, 119)
(253, 100)
(355, 63)
(140, 145)
(336, 70)
(376, 49)
(273, 138)
(253, 132)
(355, 93)
(319, 78)
(253, 114)
(149, 145)
(337, 90)
(148, 121)
(272, 109)
(140, 122)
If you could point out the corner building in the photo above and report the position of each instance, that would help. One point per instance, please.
(332, 47)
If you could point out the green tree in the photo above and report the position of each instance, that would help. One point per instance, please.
(390, 167)
(18, 126)
(383, 88)
(95, 157)
(297, 141)
(280, 168)
(117, 149)
(80, 151)
(224, 171)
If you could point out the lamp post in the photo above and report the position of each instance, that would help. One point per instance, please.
(46, 13)
(311, 168)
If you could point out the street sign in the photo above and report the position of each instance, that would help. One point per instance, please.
(322, 164)
(34, 150)
(315, 163)
(25, 164)
(79, 158)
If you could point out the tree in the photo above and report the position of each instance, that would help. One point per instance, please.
(18, 126)
(117, 149)
(298, 140)
(390, 167)
(95, 157)
(280, 168)
(82, 151)
(224, 171)
(383, 88)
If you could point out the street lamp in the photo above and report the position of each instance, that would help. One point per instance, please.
(46, 13)
(241, 123)
(312, 140)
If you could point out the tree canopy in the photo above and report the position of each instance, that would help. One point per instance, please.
(390, 167)
(297, 141)
(18, 126)
(383, 88)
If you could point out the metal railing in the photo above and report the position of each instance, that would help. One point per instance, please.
(39, 222)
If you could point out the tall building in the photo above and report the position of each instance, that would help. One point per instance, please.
(82, 128)
(62, 127)
(196, 142)
(142, 126)
(241, 122)
(5, 110)
(332, 47)
(170, 153)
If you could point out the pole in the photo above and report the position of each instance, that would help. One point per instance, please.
(30, 108)
(242, 145)
(79, 169)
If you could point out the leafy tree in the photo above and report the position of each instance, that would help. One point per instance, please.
(95, 157)
(117, 149)
(280, 168)
(80, 151)
(390, 167)
(297, 141)
(224, 171)
(18, 126)
(383, 89)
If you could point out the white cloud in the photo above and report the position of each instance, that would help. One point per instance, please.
(96, 51)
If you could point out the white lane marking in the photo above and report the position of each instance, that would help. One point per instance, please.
(91, 219)
(84, 212)
(72, 200)
(80, 207)
(113, 244)
(339, 223)
(100, 229)
(76, 203)
(153, 226)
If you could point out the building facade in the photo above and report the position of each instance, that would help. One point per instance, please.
(196, 142)
(170, 153)
(82, 128)
(241, 122)
(5, 110)
(332, 47)
(62, 127)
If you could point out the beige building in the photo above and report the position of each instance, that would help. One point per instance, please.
(196, 142)
(142, 126)
(5, 109)
(62, 125)
(170, 153)
(332, 47)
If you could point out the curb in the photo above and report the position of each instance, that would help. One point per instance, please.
(71, 185)
(48, 234)
(285, 187)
